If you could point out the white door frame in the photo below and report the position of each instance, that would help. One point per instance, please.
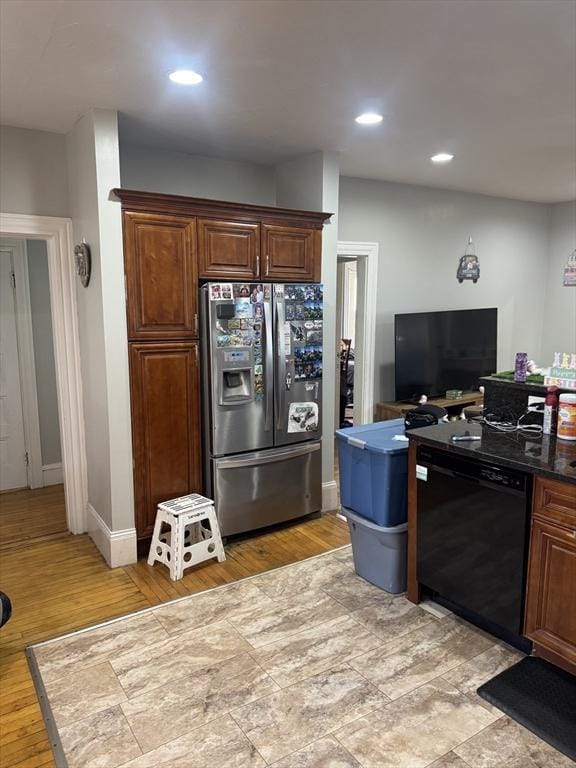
(58, 235)
(26, 359)
(367, 282)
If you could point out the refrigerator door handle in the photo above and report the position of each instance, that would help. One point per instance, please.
(253, 461)
(268, 341)
(280, 383)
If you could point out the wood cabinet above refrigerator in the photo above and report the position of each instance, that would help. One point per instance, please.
(233, 241)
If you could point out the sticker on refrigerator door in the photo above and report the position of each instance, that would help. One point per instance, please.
(287, 340)
(258, 311)
(243, 307)
(241, 291)
(303, 417)
(258, 385)
(314, 337)
(266, 293)
(298, 332)
(220, 291)
(421, 472)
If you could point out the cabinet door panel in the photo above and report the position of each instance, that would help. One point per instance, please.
(165, 425)
(228, 249)
(161, 277)
(551, 596)
(291, 253)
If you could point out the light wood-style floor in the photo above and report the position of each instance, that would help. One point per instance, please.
(62, 584)
(31, 514)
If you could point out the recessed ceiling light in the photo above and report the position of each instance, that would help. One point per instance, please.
(442, 157)
(185, 77)
(369, 118)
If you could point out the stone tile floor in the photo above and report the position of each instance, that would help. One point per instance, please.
(307, 666)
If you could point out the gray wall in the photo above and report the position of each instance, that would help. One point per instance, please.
(43, 352)
(560, 314)
(33, 172)
(177, 173)
(422, 232)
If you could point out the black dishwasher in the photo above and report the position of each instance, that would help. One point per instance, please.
(473, 527)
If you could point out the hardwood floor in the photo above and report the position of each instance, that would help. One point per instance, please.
(63, 584)
(31, 514)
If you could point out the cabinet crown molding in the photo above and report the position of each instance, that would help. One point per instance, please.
(152, 202)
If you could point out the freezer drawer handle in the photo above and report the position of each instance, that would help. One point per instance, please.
(237, 463)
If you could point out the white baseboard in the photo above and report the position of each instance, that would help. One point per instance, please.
(329, 496)
(52, 474)
(117, 547)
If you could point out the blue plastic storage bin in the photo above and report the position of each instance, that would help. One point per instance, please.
(374, 471)
(379, 552)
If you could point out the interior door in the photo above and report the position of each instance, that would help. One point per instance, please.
(13, 471)
(298, 355)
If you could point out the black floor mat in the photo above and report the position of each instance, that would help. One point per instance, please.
(539, 696)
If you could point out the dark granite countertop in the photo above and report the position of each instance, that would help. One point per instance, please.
(537, 455)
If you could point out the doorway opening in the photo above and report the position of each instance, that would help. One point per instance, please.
(357, 290)
(32, 502)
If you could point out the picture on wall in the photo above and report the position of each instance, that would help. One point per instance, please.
(469, 265)
(570, 270)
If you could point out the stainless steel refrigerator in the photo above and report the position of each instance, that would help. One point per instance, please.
(262, 396)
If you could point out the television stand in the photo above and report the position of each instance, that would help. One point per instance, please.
(397, 410)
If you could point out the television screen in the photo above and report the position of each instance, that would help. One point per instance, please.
(437, 351)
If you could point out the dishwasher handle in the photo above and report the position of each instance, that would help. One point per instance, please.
(488, 477)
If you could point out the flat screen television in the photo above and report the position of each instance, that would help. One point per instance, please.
(437, 351)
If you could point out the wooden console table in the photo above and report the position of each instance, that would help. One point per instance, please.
(397, 410)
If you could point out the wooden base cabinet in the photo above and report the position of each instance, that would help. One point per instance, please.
(550, 616)
(164, 381)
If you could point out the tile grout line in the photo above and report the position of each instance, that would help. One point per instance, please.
(234, 720)
(152, 608)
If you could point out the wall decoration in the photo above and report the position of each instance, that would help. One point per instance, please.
(83, 263)
(570, 270)
(469, 265)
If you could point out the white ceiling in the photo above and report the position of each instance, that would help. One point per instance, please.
(492, 81)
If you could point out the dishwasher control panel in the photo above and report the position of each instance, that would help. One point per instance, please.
(493, 475)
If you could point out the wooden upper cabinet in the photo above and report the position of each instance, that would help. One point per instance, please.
(165, 390)
(228, 249)
(161, 276)
(291, 253)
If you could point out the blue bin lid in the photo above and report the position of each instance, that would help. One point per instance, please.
(381, 437)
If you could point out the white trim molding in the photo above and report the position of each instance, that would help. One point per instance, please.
(117, 547)
(58, 235)
(52, 474)
(329, 496)
(367, 282)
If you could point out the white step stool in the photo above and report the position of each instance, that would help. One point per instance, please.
(190, 541)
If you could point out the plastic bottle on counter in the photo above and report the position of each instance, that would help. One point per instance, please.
(550, 410)
(521, 367)
(567, 417)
